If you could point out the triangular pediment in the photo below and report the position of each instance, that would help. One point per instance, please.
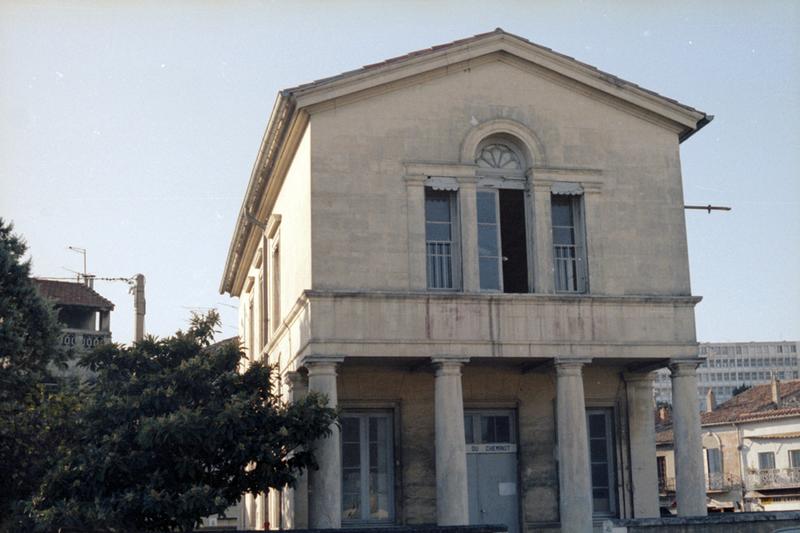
(394, 72)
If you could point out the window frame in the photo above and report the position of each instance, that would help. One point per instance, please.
(611, 449)
(455, 240)
(577, 203)
(363, 416)
(765, 455)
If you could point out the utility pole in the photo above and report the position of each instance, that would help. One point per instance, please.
(138, 307)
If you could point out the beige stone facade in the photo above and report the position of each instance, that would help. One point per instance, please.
(511, 331)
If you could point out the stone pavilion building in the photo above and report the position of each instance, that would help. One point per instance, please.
(478, 253)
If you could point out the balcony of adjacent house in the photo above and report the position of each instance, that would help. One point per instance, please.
(774, 478)
(715, 483)
(719, 482)
(84, 328)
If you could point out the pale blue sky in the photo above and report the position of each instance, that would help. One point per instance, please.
(130, 128)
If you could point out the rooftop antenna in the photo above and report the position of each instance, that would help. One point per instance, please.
(708, 207)
(81, 251)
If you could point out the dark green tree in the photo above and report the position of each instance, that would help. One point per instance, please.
(740, 389)
(172, 430)
(28, 351)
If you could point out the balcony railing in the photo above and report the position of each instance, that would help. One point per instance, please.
(715, 482)
(80, 339)
(774, 478)
(721, 482)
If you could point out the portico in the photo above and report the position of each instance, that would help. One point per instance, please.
(426, 401)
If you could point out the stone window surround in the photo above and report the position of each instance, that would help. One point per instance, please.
(539, 183)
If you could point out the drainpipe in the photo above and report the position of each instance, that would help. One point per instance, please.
(740, 449)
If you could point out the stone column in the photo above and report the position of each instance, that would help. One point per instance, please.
(451, 458)
(325, 501)
(294, 514)
(574, 474)
(690, 483)
(642, 432)
(468, 209)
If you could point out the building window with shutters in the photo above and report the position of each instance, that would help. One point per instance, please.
(569, 246)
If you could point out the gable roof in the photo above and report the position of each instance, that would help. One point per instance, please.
(291, 104)
(753, 405)
(71, 293)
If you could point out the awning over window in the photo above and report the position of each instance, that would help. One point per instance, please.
(441, 183)
(567, 188)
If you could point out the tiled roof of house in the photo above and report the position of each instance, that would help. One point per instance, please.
(751, 405)
(71, 293)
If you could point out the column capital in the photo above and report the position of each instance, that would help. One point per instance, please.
(684, 367)
(320, 364)
(445, 365)
(570, 366)
(295, 380)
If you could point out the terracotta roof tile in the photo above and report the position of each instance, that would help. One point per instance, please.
(756, 403)
(753, 404)
(71, 293)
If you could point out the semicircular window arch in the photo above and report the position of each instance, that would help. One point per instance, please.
(499, 156)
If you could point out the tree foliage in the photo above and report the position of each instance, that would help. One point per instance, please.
(171, 430)
(28, 340)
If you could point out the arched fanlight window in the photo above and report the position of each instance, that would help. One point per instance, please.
(498, 156)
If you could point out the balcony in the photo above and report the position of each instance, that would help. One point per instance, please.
(774, 478)
(81, 339)
(721, 482)
(715, 482)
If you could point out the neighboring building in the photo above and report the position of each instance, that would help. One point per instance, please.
(751, 451)
(84, 314)
(732, 364)
(478, 253)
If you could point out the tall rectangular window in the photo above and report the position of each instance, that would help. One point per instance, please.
(794, 458)
(601, 455)
(367, 467)
(502, 242)
(275, 286)
(441, 239)
(490, 261)
(569, 251)
(263, 280)
(766, 461)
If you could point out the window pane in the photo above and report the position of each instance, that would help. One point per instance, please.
(437, 206)
(490, 274)
(350, 506)
(562, 211)
(487, 240)
(597, 426)
(487, 212)
(563, 235)
(502, 429)
(349, 429)
(766, 461)
(468, 438)
(436, 231)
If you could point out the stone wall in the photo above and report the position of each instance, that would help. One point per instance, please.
(714, 523)
(407, 391)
